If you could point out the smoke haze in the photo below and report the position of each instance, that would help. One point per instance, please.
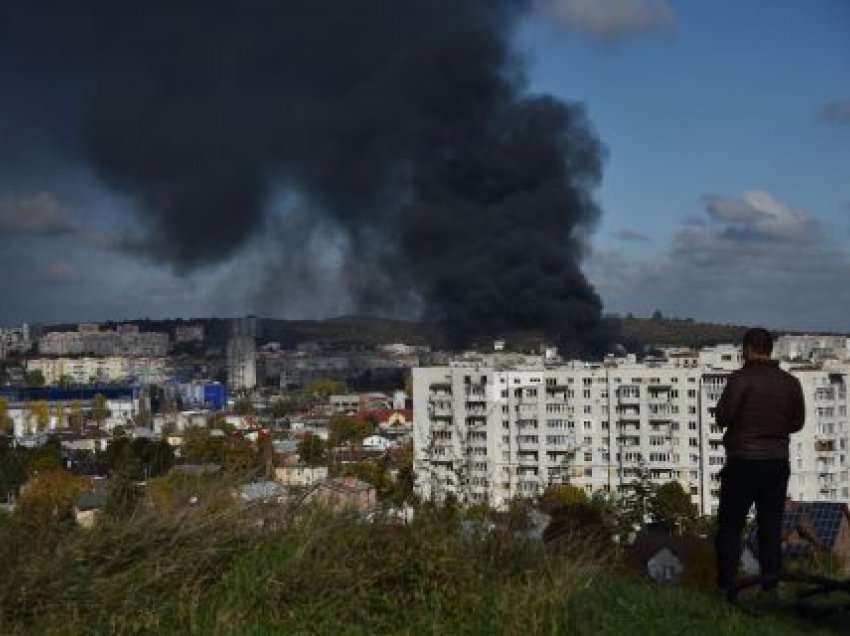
(404, 126)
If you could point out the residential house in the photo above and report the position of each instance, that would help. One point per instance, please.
(346, 493)
(300, 475)
(666, 558)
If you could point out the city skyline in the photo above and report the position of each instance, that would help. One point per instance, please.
(725, 194)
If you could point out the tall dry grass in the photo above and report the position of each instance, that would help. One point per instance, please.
(218, 569)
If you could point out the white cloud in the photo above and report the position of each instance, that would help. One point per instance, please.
(38, 213)
(612, 19)
(632, 236)
(757, 215)
(751, 260)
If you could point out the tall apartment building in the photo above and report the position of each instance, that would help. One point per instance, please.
(242, 355)
(492, 428)
(88, 339)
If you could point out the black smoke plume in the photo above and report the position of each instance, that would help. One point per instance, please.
(405, 124)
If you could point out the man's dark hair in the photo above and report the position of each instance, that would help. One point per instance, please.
(758, 341)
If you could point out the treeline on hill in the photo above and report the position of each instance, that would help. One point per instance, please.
(348, 333)
(659, 331)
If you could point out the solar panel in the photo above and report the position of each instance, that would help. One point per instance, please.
(824, 518)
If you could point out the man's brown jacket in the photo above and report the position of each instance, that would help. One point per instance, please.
(760, 407)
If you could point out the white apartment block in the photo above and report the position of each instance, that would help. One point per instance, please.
(92, 370)
(496, 427)
(241, 363)
(812, 348)
(125, 341)
(189, 333)
(14, 340)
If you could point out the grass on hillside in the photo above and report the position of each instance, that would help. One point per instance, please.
(214, 571)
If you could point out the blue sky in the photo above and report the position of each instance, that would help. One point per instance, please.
(725, 195)
(717, 98)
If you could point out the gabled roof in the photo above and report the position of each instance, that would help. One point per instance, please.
(649, 543)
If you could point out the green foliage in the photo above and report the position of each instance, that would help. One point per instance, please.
(34, 378)
(48, 498)
(618, 605)
(38, 413)
(13, 470)
(203, 570)
(219, 421)
(281, 407)
(324, 387)
(76, 419)
(312, 451)
(99, 409)
(635, 503)
(66, 381)
(347, 430)
(140, 458)
(373, 472)
(243, 406)
(565, 495)
(48, 456)
(199, 447)
(122, 498)
(671, 504)
(661, 331)
(6, 424)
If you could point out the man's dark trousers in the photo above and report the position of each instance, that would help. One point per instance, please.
(744, 482)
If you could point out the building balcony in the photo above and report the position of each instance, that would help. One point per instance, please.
(528, 460)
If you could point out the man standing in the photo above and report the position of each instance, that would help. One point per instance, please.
(760, 407)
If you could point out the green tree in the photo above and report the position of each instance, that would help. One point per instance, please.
(13, 470)
(34, 378)
(49, 497)
(565, 495)
(66, 381)
(76, 419)
(324, 387)
(345, 429)
(48, 456)
(243, 407)
(39, 412)
(168, 430)
(281, 407)
(60, 415)
(199, 447)
(219, 421)
(635, 503)
(143, 417)
(239, 456)
(312, 450)
(6, 424)
(99, 409)
(671, 504)
(122, 497)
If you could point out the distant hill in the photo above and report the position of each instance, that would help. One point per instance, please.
(686, 332)
(366, 332)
